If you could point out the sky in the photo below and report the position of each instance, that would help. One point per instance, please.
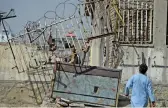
(29, 10)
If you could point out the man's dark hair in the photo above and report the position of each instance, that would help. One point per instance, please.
(143, 68)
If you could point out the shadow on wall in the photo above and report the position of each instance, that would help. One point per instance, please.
(123, 101)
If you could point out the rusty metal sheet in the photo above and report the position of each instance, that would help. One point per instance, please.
(89, 70)
(95, 86)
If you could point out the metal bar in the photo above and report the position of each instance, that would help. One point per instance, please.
(83, 95)
(38, 88)
(2, 18)
(119, 21)
(101, 36)
(128, 22)
(142, 36)
(23, 56)
(114, 2)
(61, 39)
(38, 36)
(72, 39)
(151, 23)
(137, 26)
(24, 59)
(64, 35)
(129, 65)
(10, 45)
(146, 24)
(76, 35)
(44, 53)
(81, 21)
(135, 9)
(129, 42)
(38, 74)
(80, 32)
(143, 58)
(159, 66)
(44, 27)
(90, 15)
(90, 2)
(28, 34)
(124, 20)
(132, 24)
(44, 40)
(17, 52)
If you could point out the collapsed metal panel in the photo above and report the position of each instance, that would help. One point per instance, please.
(87, 84)
(138, 18)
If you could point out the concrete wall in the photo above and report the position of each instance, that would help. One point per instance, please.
(131, 62)
(155, 53)
(23, 58)
(154, 56)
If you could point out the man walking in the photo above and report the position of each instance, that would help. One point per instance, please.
(141, 88)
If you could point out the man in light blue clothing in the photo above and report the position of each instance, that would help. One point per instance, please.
(141, 88)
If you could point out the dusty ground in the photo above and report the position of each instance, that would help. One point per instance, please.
(20, 95)
(16, 95)
(161, 94)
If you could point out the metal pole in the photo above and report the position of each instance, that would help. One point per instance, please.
(9, 44)
(43, 28)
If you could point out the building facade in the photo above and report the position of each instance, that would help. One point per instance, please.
(141, 38)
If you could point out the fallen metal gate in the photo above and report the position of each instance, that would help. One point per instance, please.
(87, 84)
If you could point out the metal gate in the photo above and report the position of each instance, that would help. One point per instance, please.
(138, 18)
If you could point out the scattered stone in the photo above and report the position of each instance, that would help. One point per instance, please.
(62, 103)
(76, 105)
(21, 91)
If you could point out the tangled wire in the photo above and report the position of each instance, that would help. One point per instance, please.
(56, 13)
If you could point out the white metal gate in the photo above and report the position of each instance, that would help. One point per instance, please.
(138, 18)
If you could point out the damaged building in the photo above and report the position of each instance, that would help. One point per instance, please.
(122, 33)
(140, 35)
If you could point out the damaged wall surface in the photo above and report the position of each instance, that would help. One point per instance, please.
(142, 36)
(19, 68)
(156, 56)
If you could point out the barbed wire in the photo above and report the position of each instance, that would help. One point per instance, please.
(32, 25)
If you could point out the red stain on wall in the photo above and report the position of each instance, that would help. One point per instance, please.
(113, 89)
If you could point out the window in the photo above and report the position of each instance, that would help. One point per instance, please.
(138, 18)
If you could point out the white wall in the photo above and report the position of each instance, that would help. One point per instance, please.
(22, 56)
(158, 54)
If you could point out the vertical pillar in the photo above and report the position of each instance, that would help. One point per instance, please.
(95, 55)
(159, 38)
(160, 23)
(96, 49)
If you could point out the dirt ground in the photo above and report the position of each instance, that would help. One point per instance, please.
(20, 95)
(16, 95)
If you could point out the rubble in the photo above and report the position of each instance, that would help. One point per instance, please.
(19, 96)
